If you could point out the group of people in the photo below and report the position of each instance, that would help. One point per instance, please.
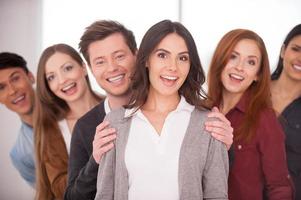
(157, 134)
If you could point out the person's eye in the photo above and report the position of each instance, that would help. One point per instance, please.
(162, 55)
(233, 56)
(252, 62)
(49, 78)
(15, 78)
(99, 62)
(184, 58)
(120, 56)
(68, 68)
(296, 49)
(2, 87)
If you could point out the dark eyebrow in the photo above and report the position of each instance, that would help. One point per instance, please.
(66, 64)
(118, 51)
(14, 73)
(297, 46)
(166, 51)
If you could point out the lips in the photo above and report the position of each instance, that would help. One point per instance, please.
(68, 87)
(236, 77)
(169, 78)
(115, 79)
(297, 67)
(18, 99)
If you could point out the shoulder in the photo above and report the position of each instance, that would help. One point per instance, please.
(196, 124)
(199, 117)
(269, 126)
(267, 117)
(92, 117)
(22, 142)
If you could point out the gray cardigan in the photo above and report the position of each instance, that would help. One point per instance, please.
(203, 162)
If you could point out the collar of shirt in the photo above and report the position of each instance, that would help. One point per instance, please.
(242, 103)
(182, 106)
(107, 106)
(27, 129)
(26, 125)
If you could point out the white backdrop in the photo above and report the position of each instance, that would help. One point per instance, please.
(29, 26)
(208, 21)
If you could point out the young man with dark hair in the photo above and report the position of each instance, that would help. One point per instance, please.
(17, 94)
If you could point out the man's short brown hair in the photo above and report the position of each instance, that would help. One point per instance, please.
(101, 29)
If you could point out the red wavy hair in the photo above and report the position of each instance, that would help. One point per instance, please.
(259, 91)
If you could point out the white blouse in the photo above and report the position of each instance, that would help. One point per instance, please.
(66, 133)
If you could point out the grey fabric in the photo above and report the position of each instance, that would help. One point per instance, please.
(203, 162)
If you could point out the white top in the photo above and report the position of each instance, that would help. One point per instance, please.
(152, 160)
(66, 133)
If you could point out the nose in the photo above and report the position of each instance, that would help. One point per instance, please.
(11, 89)
(61, 78)
(112, 66)
(172, 65)
(239, 65)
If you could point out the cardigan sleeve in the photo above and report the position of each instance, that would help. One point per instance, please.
(273, 158)
(215, 176)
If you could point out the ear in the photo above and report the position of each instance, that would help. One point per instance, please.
(31, 77)
(282, 51)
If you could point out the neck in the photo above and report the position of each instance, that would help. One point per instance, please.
(116, 102)
(28, 119)
(229, 101)
(161, 104)
(286, 87)
(79, 107)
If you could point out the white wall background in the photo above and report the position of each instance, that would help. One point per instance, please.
(20, 22)
(29, 26)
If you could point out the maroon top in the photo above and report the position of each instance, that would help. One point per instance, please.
(260, 164)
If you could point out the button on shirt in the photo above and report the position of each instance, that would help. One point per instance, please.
(22, 154)
(151, 159)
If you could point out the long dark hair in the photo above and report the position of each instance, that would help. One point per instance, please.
(293, 33)
(192, 87)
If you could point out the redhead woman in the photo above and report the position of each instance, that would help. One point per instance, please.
(239, 84)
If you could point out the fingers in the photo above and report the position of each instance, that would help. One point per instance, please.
(215, 109)
(215, 113)
(103, 140)
(220, 128)
(226, 140)
(103, 130)
(99, 152)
